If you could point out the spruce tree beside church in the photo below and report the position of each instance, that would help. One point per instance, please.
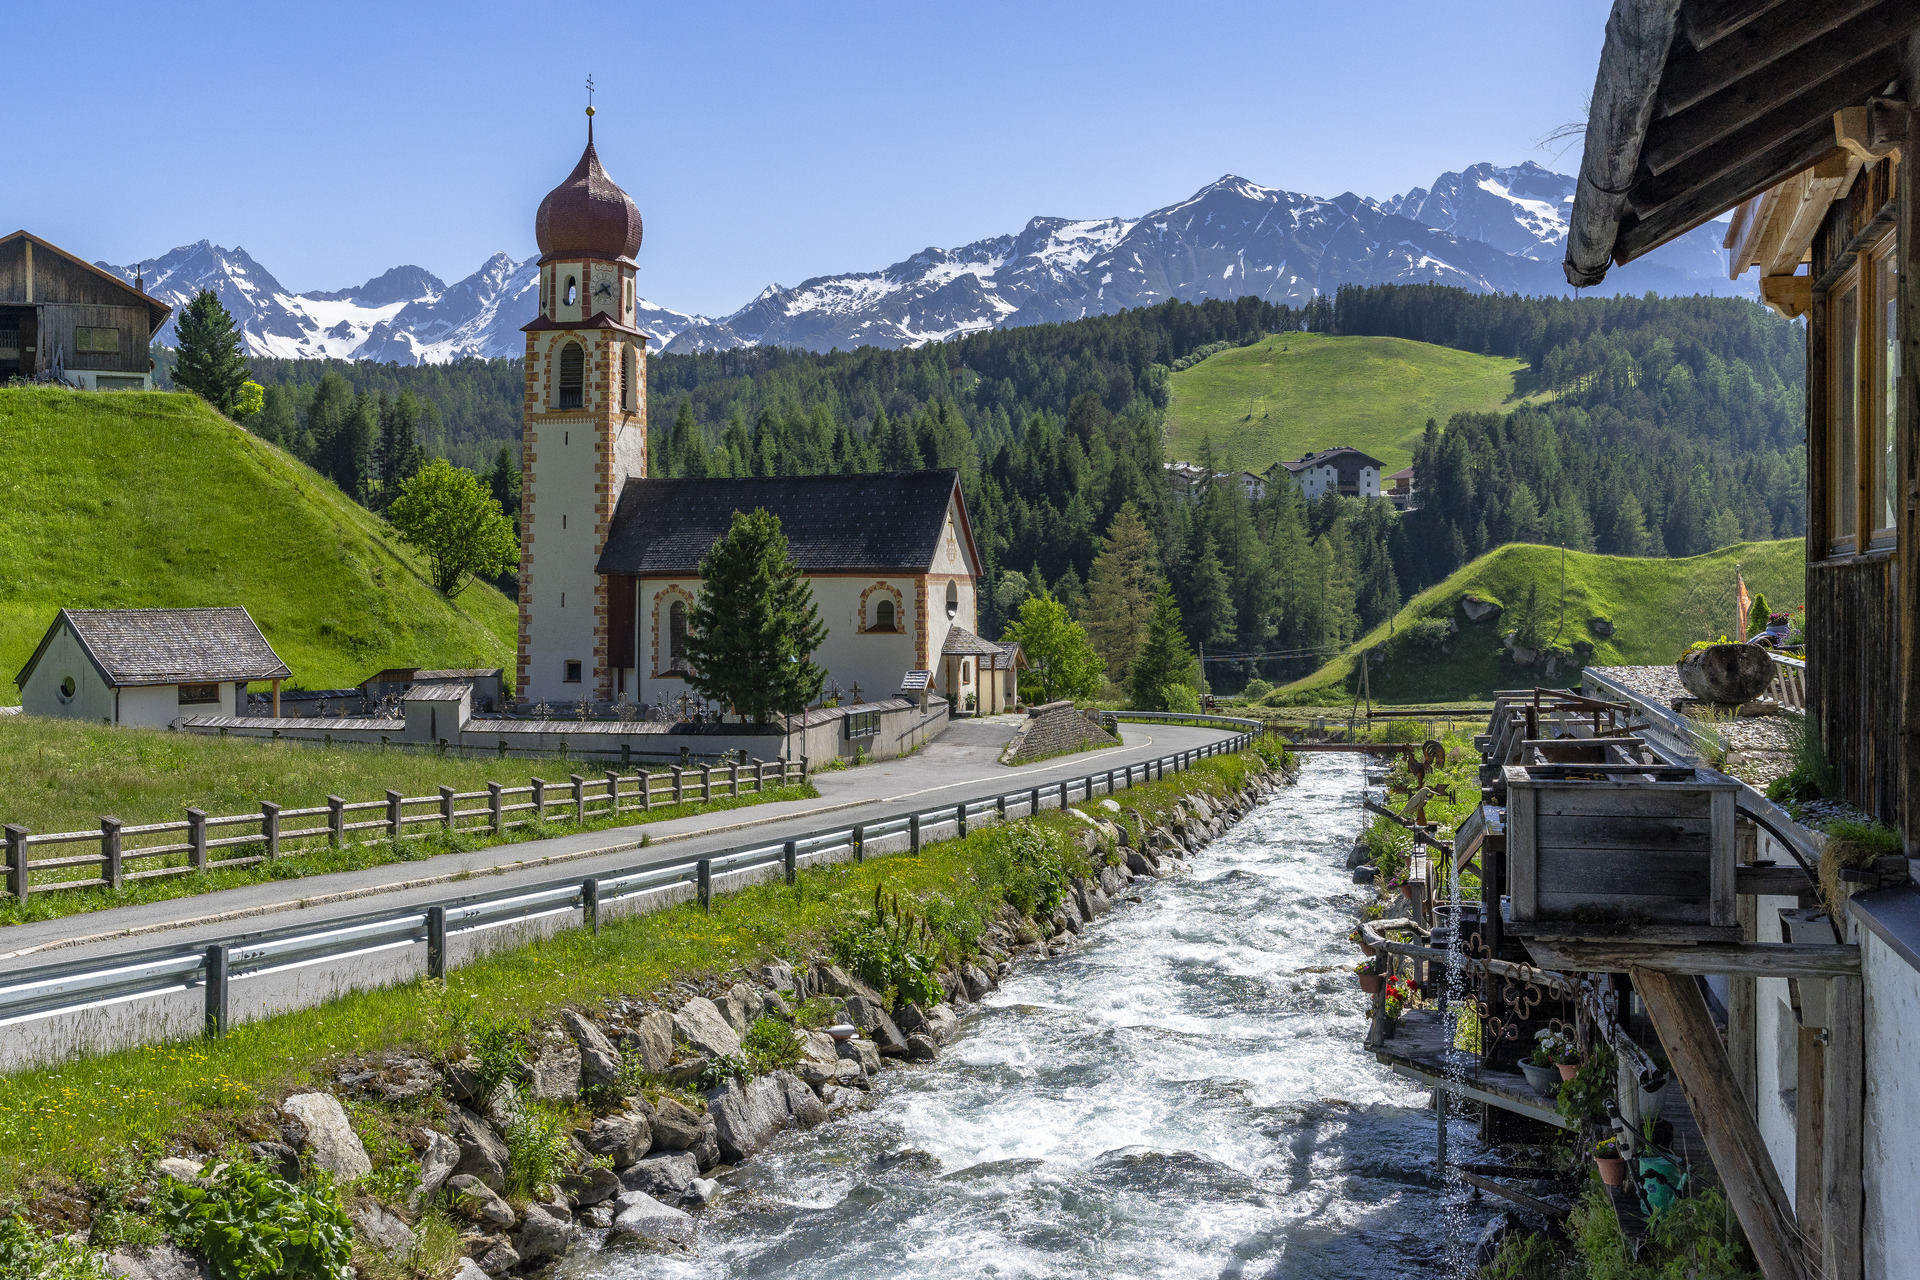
(752, 635)
(210, 363)
(1163, 662)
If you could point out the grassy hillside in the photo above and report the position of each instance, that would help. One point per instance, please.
(147, 500)
(1657, 607)
(1292, 393)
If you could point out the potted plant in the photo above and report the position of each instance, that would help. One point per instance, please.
(1400, 993)
(1558, 1049)
(1612, 1165)
(1366, 948)
(1372, 980)
(1537, 1067)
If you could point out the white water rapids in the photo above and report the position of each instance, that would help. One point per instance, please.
(1184, 1095)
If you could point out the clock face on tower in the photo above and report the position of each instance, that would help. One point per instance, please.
(604, 291)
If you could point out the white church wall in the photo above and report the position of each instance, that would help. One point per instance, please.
(562, 582)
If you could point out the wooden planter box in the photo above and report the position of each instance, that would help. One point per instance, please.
(1574, 751)
(1617, 846)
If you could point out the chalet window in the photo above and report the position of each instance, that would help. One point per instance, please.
(883, 617)
(193, 695)
(573, 376)
(97, 341)
(1843, 437)
(1863, 382)
(572, 675)
(1884, 390)
(677, 636)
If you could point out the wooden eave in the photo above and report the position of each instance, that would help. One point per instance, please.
(598, 320)
(1700, 106)
(158, 310)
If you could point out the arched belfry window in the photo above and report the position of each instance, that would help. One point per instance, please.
(883, 616)
(573, 376)
(677, 636)
(573, 291)
(953, 600)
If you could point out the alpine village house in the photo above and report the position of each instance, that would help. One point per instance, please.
(609, 565)
(1632, 896)
(63, 318)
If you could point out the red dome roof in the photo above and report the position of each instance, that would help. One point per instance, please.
(588, 214)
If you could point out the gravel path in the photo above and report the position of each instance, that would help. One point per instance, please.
(1759, 748)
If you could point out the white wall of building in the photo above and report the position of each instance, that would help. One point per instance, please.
(65, 659)
(565, 547)
(1891, 1121)
(1776, 1048)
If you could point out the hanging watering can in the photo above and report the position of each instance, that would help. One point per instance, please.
(1661, 1182)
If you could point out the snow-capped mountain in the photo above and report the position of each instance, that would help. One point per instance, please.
(405, 315)
(1486, 228)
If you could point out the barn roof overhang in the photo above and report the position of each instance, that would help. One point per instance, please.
(1700, 106)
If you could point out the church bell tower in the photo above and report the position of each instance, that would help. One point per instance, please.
(584, 431)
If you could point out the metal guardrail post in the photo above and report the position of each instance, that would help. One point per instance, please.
(216, 990)
(579, 799)
(437, 942)
(1033, 803)
(1063, 794)
(393, 814)
(590, 904)
(960, 820)
(1000, 804)
(539, 799)
(790, 856)
(110, 852)
(197, 839)
(913, 833)
(270, 828)
(495, 819)
(703, 880)
(446, 808)
(860, 843)
(17, 861)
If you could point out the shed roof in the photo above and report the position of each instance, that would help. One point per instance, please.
(168, 646)
(886, 522)
(963, 643)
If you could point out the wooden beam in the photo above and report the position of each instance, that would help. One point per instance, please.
(1710, 21)
(1694, 75)
(1743, 1042)
(1791, 296)
(1755, 959)
(1809, 1132)
(1635, 52)
(1551, 1212)
(1781, 161)
(1679, 1013)
(1842, 1197)
(1771, 882)
(1804, 200)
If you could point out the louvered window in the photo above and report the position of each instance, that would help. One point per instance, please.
(573, 376)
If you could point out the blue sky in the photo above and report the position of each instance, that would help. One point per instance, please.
(763, 142)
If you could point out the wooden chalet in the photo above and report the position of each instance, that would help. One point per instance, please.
(64, 320)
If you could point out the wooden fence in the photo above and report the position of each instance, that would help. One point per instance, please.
(273, 829)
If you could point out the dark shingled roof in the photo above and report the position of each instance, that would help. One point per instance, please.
(887, 522)
(962, 642)
(171, 646)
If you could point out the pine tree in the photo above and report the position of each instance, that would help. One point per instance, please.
(1209, 597)
(753, 632)
(1121, 590)
(503, 479)
(1163, 659)
(398, 455)
(210, 362)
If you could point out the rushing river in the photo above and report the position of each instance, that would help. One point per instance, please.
(1185, 1095)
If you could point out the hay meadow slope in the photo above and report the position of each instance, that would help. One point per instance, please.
(1292, 393)
(155, 500)
(1656, 608)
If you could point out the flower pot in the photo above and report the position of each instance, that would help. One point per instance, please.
(1372, 982)
(1568, 1070)
(1613, 1170)
(1545, 1080)
(1367, 949)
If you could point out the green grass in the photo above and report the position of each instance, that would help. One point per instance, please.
(1657, 608)
(62, 775)
(62, 1124)
(155, 500)
(1293, 393)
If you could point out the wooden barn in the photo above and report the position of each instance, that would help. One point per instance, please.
(64, 319)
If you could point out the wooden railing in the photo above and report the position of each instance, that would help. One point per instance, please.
(1789, 687)
(188, 846)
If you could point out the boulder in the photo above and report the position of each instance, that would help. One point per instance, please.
(804, 1107)
(478, 1201)
(469, 1270)
(777, 974)
(912, 1020)
(978, 983)
(664, 1177)
(832, 980)
(1110, 805)
(156, 1262)
(1138, 864)
(699, 1023)
(650, 1042)
(1478, 609)
(746, 1117)
(706, 1152)
(921, 1048)
(622, 1138)
(498, 1257)
(591, 1186)
(482, 1154)
(703, 1190)
(820, 1061)
(1727, 674)
(556, 1071)
(867, 1013)
(542, 1236)
(645, 1219)
(279, 1157)
(375, 1226)
(330, 1135)
(676, 1126)
(1602, 627)
(864, 1054)
(775, 1005)
(180, 1169)
(601, 1072)
(943, 1022)
(740, 1007)
(437, 1164)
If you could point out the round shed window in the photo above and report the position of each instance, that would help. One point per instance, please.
(67, 688)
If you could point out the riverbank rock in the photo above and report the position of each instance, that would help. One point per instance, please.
(543, 1236)
(921, 1048)
(437, 1164)
(592, 1186)
(645, 1219)
(482, 1154)
(330, 1135)
(821, 1064)
(601, 1070)
(622, 1138)
(497, 1256)
(384, 1231)
(651, 1041)
(943, 1023)
(478, 1201)
(698, 1022)
(556, 1070)
(741, 1007)
(746, 1117)
(676, 1126)
(664, 1177)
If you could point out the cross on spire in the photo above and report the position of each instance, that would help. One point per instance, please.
(589, 108)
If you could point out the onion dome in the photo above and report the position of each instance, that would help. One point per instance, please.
(588, 214)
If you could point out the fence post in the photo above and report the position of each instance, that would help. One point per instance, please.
(960, 820)
(436, 942)
(393, 814)
(706, 784)
(733, 777)
(270, 828)
(860, 843)
(679, 784)
(539, 799)
(336, 820)
(790, 854)
(613, 793)
(646, 790)
(110, 852)
(759, 775)
(913, 833)
(803, 768)
(494, 816)
(197, 839)
(446, 808)
(579, 799)
(703, 879)
(217, 989)
(590, 904)
(17, 861)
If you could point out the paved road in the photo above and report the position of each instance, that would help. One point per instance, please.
(964, 761)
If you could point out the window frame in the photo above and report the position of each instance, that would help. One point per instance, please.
(198, 694)
(1861, 405)
(676, 663)
(886, 617)
(571, 671)
(93, 349)
(570, 395)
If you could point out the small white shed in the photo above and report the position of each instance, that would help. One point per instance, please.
(147, 666)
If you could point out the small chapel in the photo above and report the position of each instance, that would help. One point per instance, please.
(609, 558)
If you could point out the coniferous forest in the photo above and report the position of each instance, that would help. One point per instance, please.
(1651, 427)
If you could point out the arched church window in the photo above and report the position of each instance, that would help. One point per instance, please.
(883, 616)
(630, 379)
(573, 291)
(677, 636)
(966, 671)
(953, 600)
(573, 376)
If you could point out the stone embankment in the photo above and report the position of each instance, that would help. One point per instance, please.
(652, 1142)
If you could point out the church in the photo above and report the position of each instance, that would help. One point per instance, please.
(609, 558)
